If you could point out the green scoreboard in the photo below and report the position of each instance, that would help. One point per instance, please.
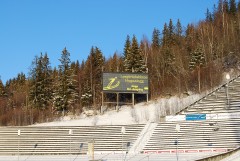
(125, 82)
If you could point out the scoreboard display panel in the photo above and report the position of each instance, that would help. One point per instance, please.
(125, 82)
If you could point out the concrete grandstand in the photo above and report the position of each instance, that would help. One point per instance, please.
(217, 132)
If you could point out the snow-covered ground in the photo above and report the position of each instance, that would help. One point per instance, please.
(111, 157)
(142, 113)
(233, 157)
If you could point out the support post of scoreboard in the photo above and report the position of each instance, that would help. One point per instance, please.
(102, 104)
(117, 107)
(147, 93)
(132, 99)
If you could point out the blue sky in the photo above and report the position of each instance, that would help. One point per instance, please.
(29, 27)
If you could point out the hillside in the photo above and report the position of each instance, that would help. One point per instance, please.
(140, 114)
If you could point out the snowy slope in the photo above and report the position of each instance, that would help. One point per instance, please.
(141, 113)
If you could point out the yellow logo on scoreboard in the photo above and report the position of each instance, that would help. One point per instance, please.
(112, 84)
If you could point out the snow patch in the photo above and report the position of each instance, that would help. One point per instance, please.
(142, 113)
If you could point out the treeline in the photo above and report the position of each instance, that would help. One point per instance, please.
(177, 59)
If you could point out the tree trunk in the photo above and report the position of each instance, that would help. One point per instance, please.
(199, 80)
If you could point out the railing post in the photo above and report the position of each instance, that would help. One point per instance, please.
(70, 148)
(19, 133)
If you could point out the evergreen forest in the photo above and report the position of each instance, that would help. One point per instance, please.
(178, 60)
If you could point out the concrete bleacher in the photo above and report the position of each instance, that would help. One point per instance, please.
(59, 140)
(207, 134)
(224, 99)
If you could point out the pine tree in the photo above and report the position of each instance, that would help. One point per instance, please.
(121, 63)
(77, 77)
(238, 6)
(225, 6)
(165, 34)
(209, 16)
(168, 42)
(178, 28)
(35, 83)
(2, 89)
(155, 39)
(40, 82)
(137, 62)
(170, 32)
(21, 78)
(134, 53)
(190, 37)
(178, 32)
(127, 55)
(232, 7)
(133, 58)
(40, 102)
(86, 97)
(91, 89)
(197, 61)
(86, 91)
(169, 59)
(98, 61)
(113, 65)
(47, 81)
(65, 93)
